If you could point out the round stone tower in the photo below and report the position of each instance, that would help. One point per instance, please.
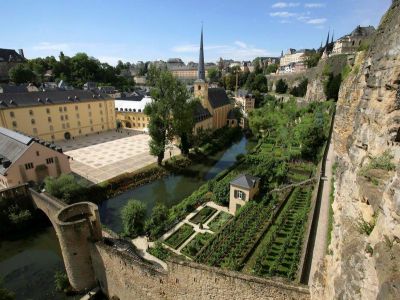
(78, 226)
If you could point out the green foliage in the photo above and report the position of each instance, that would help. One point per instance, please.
(346, 72)
(332, 86)
(369, 249)
(196, 244)
(155, 225)
(365, 227)
(214, 75)
(133, 216)
(5, 294)
(179, 236)
(272, 68)
(19, 216)
(64, 187)
(313, 59)
(281, 86)
(61, 281)
(382, 162)
(364, 46)
(257, 83)
(203, 215)
(159, 251)
(21, 74)
(219, 221)
(301, 89)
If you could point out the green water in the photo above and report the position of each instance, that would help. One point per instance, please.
(27, 266)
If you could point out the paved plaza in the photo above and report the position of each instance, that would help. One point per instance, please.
(103, 156)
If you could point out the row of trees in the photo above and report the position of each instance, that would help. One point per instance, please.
(76, 70)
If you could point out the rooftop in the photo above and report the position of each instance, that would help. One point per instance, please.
(132, 106)
(245, 181)
(218, 97)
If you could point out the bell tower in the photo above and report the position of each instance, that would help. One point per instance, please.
(200, 85)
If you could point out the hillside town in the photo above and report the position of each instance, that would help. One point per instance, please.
(274, 177)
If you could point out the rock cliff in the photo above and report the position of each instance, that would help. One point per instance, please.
(364, 253)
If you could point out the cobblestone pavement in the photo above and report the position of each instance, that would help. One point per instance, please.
(103, 156)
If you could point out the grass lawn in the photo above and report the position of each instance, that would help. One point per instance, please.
(219, 221)
(179, 236)
(196, 244)
(203, 215)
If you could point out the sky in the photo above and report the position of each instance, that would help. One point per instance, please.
(142, 30)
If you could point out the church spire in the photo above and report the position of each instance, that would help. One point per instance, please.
(327, 41)
(332, 36)
(201, 73)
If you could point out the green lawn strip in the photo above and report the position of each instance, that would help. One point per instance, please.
(195, 245)
(203, 215)
(179, 236)
(219, 221)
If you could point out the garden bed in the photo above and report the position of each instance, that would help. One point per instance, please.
(219, 221)
(195, 245)
(179, 236)
(203, 215)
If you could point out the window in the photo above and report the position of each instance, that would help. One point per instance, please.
(14, 123)
(62, 118)
(65, 108)
(28, 166)
(102, 126)
(67, 125)
(91, 128)
(80, 131)
(133, 118)
(66, 117)
(99, 104)
(63, 126)
(88, 105)
(90, 113)
(76, 107)
(33, 121)
(12, 115)
(60, 109)
(91, 122)
(37, 153)
(199, 87)
(52, 137)
(101, 112)
(77, 116)
(79, 123)
(34, 130)
(31, 112)
(240, 194)
(102, 120)
(49, 119)
(49, 160)
(48, 110)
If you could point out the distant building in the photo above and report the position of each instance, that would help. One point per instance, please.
(350, 43)
(242, 189)
(25, 159)
(129, 111)
(293, 61)
(8, 59)
(56, 115)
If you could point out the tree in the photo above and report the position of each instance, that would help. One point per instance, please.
(133, 216)
(332, 86)
(312, 59)
(281, 86)
(272, 68)
(260, 84)
(157, 221)
(301, 89)
(214, 75)
(21, 73)
(64, 187)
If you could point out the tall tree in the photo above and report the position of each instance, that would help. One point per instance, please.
(133, 217)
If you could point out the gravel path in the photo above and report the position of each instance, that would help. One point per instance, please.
(320, 246)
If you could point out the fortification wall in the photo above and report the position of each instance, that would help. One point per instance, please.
(119, 275)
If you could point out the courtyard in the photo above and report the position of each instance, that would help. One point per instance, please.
(103, 156)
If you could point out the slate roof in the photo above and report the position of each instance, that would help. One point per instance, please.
(5, 55)
(201, 113)
(218, 97)
(231, 115)
(245, 181)
(12, 146)
(10, 100)
(8, 88)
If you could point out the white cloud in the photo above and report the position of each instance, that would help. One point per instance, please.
(46, 46)
(241, 44)
(314, 5)
(285, 4)
(317, 21)
(283, 14)
(112, 60)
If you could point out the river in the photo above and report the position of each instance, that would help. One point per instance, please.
(27, 266)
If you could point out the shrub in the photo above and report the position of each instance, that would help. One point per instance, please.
(281, 87)
(364, 226)
(159, 251)
(61, 281)
(133, 216)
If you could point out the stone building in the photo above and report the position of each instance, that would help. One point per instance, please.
(350, 43)
(8, 59)
(215, 100)
(129, 111)
(293, 61)
(242, 189)
(25, 159)
(57, 115)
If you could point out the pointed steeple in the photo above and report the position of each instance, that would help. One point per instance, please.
(327, 41)
(282, 53)
(201, 72)
(332, 36)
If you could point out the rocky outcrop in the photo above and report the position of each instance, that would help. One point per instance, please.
(363, 264)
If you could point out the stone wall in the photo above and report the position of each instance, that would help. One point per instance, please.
(126, 278)
(362, 265)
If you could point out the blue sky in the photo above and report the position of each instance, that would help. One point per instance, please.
(133, 30)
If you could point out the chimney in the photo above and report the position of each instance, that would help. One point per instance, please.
(21, 52)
